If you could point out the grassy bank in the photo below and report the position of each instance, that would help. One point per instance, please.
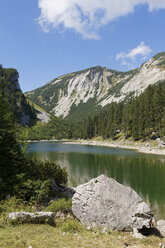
(67, 233)
(64, 235)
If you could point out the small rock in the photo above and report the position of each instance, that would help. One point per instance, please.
(58, 214)
(69, 216)
(136, 234)
(104, 230)
(62, 216)
(161, 245)
(37, 217)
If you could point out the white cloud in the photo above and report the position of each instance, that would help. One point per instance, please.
(141, 49)
(129, 58)
(87, 16)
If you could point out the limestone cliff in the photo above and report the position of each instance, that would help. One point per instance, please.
(78, 94)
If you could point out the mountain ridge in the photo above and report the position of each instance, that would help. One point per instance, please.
(89, 90)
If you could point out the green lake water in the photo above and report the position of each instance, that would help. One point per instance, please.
(145, 173)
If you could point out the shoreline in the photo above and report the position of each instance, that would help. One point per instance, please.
(141, 148)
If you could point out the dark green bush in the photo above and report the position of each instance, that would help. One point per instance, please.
(44, 170)
(28, 179)
(33, 190)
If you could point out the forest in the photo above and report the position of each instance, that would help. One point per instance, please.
(142, 117)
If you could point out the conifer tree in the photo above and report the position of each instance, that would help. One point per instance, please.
(11, 156)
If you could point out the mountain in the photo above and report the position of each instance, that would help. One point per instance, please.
(42, 115)
(75, 95)
(10, 89)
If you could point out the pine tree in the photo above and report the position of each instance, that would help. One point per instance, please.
(11, 156)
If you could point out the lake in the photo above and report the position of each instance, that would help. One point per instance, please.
(145, 173)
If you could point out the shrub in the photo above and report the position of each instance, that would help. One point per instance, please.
(24, 178)
(72, 227)
(45, 170)
(33, 190)
(60, 205)
(14, 205)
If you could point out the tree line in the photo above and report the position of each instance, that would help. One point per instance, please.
(20, 175)
(142, 117)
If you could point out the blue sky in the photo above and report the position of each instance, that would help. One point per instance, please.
(44, 39)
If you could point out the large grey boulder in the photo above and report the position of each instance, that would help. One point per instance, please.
(37, 218)
(103, 202)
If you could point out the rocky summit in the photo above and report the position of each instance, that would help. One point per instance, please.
(10, 89)
(75, 95)
(103, 202)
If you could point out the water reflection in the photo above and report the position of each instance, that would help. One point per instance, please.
(144, 173)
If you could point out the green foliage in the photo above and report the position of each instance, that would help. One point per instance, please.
(60, 205)
(25, 178)
(11, 158)
(14, 204)
(33, 190)
(45, 170)
(141, 117)
(72, 227)
(34, 183)
(15, 98)
(55, 129)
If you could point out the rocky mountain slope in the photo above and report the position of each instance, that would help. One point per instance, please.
(42, 115)
(75, 95)
(10, 89)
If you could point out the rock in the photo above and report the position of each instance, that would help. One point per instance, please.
(103, 202)
(161, 226)
(62, 217)
(58, 214)
(104, 231)
(66, 192)
(38, 217)
(136, 234)
(161, 245)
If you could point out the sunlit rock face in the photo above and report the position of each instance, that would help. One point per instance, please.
(89, 90)
(103, 202)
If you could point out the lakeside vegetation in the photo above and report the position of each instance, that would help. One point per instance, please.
(142, 117)
(25, 178)
(55, 129)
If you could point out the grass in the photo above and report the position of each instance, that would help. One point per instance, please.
(44, 236)
(68, 233)
(120, 139)
(36, 106)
